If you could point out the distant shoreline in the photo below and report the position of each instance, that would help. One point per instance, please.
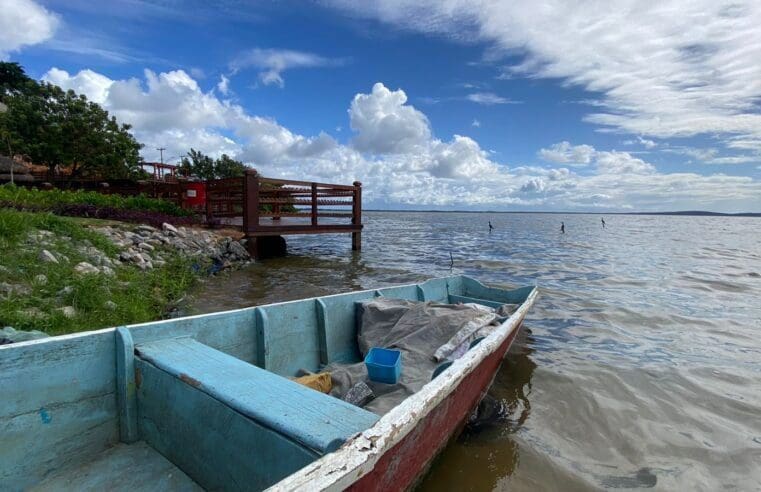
(695, 213)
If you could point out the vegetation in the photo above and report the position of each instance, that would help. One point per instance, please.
(29, 198)
(43, 288)
(58, 128)
(198, 164)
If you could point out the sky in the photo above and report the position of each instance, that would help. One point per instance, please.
(551, 105)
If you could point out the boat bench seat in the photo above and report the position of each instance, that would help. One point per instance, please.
(320, 422)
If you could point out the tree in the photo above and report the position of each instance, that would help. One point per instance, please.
(60, 128)
(198, 164)
(227, 167)
(206, 168)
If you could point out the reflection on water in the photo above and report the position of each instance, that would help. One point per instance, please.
(639, 365)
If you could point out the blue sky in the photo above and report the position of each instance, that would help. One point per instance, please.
(451, 104)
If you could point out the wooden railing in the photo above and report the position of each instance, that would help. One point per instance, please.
(272, 207)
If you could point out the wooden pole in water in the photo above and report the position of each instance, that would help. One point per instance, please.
(356, 217)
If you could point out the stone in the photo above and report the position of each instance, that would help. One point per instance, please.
(110, 305)
(46, 256)
(108, 271)
(169, 228)
(41, 279)
(65, 291)
(7, 289)
(67, 311)
(146, 247)
(85, 268)
(237, 250)
(145, 227)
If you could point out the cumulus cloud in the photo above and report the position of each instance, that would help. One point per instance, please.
(476, 123)
(395, 153)
(663, 69)
(565, 153)
(386, 124)
(24, 23)
(273, 62)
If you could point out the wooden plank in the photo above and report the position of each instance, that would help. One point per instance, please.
(409, 292)
(315, 420)
(314, 205)
(290, 338)
(434, 290)
(455, 299)
(303, 183)
(58, 404)
(301, 229)
(216, 446)
(232, 332)
(338, 316)
(126, 397)
(474, 288)
(251, 200)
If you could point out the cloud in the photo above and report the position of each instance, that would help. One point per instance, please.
(487, 98)
(661, 69)
(565, 153)
(648, 144)
(710, 155)
(273, 62)
(24, 23)
(476, 123)
(396, 154)
(386, 124)
(224, 85)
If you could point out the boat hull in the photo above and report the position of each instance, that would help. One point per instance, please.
(405, 464)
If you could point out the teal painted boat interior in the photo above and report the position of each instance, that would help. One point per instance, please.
(198, 401)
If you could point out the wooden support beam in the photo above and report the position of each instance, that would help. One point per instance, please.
(251, 200)
(356, 220)
(314, 204)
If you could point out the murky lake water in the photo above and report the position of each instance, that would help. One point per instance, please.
(638, 367)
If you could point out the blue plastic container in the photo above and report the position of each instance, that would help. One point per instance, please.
(384, 365)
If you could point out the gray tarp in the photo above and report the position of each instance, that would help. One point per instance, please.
(418, 330)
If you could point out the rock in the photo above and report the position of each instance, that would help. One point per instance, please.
(6, 289)
(237, 250)
(11, 335)
(167, 227)
(41, 279)
(46, 256)
(108, 271)
(145, 228)
(146, 247)
(67, 311)
(85, 268)
(65, 291)
(110, 305)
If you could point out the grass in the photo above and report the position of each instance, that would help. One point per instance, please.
(18, 196)
(139, 295)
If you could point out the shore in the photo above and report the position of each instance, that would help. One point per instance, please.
(63, 274)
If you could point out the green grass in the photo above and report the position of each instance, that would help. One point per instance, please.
(48, 199)
(139, 295)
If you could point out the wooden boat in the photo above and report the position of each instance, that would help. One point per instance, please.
(201, 402)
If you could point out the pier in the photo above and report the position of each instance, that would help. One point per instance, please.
(271, 208)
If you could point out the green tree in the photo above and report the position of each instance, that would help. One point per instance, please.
(227, 167)
(201, 165)
(198, 164)
(60, 128)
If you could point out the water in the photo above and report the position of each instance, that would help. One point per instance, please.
(638, 367)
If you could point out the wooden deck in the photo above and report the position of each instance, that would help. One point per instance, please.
(277, 207)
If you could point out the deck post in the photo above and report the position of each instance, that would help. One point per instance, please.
(314, 204)
(356, 217)
(250, 201)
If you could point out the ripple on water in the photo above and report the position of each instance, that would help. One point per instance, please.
(638, 366)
